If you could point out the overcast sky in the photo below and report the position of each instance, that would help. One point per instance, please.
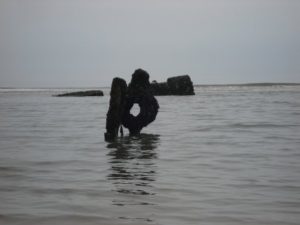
(71, 43)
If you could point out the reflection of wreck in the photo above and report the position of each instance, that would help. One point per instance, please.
(140, 92)
(132, 161)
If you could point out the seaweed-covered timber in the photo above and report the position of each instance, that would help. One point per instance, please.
(179, 85)
(122, 99)
(81, 93)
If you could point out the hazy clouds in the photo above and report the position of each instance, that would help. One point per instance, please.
(87, 42)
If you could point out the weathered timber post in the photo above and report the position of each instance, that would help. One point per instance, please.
(116, 107)
(122, 99)
(179, 85)
(139, 92)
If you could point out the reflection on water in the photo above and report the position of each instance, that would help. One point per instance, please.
(133, 169)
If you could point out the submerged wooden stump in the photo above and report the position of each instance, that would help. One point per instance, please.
(122, 99)
(179, 85)
(81, 93)
(139, 92)
(116, 107)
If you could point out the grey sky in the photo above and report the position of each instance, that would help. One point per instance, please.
(54, 43)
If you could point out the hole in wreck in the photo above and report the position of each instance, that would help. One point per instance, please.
(135, 109)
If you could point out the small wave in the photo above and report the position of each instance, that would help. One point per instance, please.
(295, 113)
(281, 138)
(261, 125)
(287, 104)
(65, 191)
(10, 169)
(283, 102)
(28, 219)
(59, 162)
(13, 172)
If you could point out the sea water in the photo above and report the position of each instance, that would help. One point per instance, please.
(228, 155)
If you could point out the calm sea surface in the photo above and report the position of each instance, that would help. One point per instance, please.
(228, 155)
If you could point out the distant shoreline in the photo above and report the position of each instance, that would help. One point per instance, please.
(267, 84)
(62, 88)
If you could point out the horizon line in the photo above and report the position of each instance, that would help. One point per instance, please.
(196, 85)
